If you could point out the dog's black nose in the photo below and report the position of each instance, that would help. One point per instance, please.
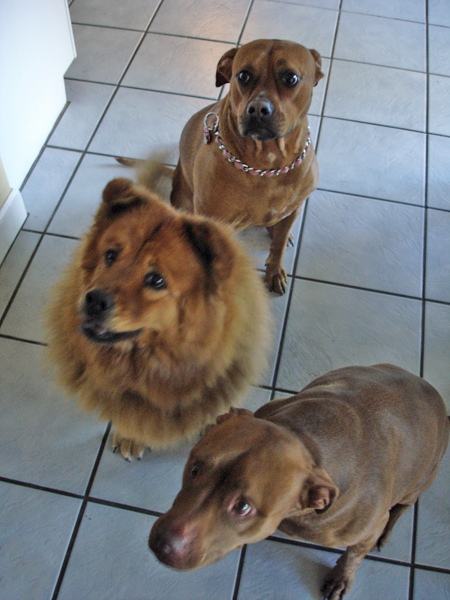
(261, 108)
(97, 303)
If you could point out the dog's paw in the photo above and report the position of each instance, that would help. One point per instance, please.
(337, 584)
(276, 279)
(129, 449)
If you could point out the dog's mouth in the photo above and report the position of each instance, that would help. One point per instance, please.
(96, 332)
(259, 133)
(259, 129)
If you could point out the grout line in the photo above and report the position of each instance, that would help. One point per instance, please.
(424, 266)
(19, 339)
(42, 488)
(302, 226)
(237, 583)
(127, 507)
(81, 512)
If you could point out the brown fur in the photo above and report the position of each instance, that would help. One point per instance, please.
(336, 465)
(206, 183)
(199, 341)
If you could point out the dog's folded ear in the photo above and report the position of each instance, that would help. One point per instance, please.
(318, 62)
(233, 412)
(212, 250)
(120, 195)
(318, 491)
(224, 67)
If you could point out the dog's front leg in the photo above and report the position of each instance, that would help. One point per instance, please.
(276, 277)
(342, 576)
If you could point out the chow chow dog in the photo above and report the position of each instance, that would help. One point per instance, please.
(160, 322)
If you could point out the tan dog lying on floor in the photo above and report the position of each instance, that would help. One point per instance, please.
(161, 321)
(336, 465)
(263, 165)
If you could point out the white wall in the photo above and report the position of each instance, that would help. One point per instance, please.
(36, 49)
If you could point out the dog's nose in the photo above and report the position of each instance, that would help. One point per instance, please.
(167, 545)
(260, 108)
(97, 303)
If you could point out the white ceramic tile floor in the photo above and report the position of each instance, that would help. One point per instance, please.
(368, 282)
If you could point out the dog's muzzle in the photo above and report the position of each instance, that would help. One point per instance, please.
(97, 307)
(258, 120)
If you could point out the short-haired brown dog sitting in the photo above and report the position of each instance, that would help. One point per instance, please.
(336, 465)
(262, 166)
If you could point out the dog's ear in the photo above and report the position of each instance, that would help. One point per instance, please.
(121, 195)
(224, 67)
(318, 61)
(212, 249)
(234, 412)
(318, 491)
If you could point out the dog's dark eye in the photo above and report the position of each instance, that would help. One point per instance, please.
(194, 471)
(155, 281)
(110, 256)
(242, 508)
(290, 79)
(244, 77)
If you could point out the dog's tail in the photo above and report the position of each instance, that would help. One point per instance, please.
(149, 171)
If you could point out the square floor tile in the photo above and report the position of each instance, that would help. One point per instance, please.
(363, 242)
(378, 95)
(429, 584)
(370, 160)
(81, 201)
(439, 101)
(433, 529)
(380, 41)
(87, 103)
(153, 482)
(25, 318)
(439, 50)
(46, 184)
(438, 252)
(437, 349)
(439, 12)
(331, 327)
(44, 437)
(133, 14)
(111, 559)
(102, 53)
(221, 21)
(176, 64)
(294, 22)
(14, 264)
(302, 572)
(36, 528)
(394, 9)
(438, 172)
(139, 122)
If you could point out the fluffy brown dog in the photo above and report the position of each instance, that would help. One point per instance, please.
(261, 128)
(160, 322)
(336, 465)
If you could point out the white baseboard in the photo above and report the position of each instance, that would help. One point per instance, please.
(12, 217)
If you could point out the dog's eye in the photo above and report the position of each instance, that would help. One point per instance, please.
(244, 77)
(194, 471)
(110, 256)
(155, 281)
(242, 508)
(290, 79)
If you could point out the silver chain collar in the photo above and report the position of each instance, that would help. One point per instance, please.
(213, 129)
